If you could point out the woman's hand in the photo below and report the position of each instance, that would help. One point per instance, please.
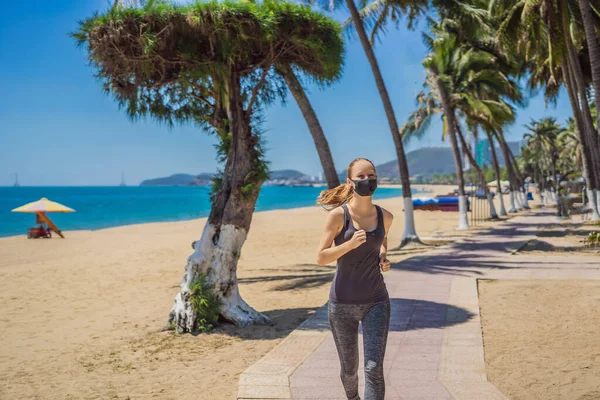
(384, 263)
(358, 238)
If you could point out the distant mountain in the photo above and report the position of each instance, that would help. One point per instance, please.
(204, 179)
(287, 174)
(173, 180)
(426, 162)
(423, 162)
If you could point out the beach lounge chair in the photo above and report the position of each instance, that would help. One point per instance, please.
(39, 232)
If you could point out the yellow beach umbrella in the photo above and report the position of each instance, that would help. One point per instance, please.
(41, 207)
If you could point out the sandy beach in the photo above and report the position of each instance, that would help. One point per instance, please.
(541, 339)
(81, 316)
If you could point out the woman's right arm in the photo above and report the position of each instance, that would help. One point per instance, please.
(333, 224)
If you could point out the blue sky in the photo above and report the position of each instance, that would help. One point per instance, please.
(58, 128)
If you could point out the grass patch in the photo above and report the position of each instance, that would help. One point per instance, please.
(205, 303)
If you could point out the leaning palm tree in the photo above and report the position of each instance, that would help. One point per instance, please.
(314, 126)
(439, 63)
(418, 123)
(211, 64)
(413, 8)
(475, 86)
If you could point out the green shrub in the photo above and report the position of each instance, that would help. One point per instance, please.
(205, 303)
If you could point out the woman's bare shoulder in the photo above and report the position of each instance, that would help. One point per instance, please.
(386, 213)
(336, 214)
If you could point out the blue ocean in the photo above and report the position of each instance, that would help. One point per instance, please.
(100, 207)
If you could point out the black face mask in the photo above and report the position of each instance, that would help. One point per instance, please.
(365, 187)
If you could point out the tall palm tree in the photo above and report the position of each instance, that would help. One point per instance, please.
(545, 33)
(414, 7)
(443, 57)
(590, 27)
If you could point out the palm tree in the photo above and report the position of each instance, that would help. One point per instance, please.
(418, 123)
(413, 8)
(543, 136)
(293, 83)
(520, 181)
(444, 55)
(545, 33)
(475, 86)
(497, 173)
(157, 61)
(480, 174)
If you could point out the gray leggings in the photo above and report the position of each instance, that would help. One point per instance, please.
(375, 318)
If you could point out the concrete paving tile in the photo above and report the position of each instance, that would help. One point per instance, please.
(264, 392)
(260, 369)
(422, 390)
(412, 348)
(483, 391)
(408, 375)
(429, 337)
(247, 379)
(297, 381)
(316, 392)
(416, 361)
(318, 372)
(461, 375)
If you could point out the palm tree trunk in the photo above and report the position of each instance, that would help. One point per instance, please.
(314, 126)
(588, 169)
(486, 190)
(544, 191)
(555, 184)
(591, 142)
(511, 178)
(410, 233)
(593, 49)
(463, 221)
(579, 88)
(520, 179)
(498, 177)
(588, 122)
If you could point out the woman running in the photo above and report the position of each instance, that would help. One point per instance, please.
(358, 292)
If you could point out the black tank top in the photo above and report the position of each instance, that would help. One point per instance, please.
(358, 278)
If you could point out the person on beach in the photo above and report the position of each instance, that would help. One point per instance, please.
(358, 292)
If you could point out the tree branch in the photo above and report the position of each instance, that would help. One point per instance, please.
(257, 88)
(203, 99)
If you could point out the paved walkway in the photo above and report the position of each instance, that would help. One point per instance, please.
(435, 346)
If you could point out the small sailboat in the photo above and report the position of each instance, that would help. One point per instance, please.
(122, 180)
(16, 184)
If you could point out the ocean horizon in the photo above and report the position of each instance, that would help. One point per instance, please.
(99, 207)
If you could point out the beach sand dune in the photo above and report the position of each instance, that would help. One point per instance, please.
(80, 317)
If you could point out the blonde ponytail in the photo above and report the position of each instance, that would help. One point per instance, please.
(335, 197)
